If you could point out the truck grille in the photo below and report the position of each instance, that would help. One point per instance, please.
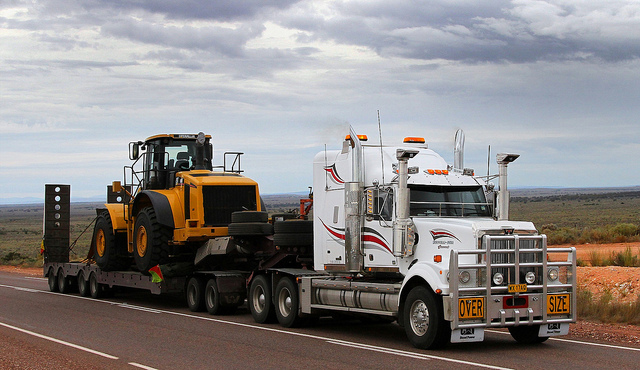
(220, 201)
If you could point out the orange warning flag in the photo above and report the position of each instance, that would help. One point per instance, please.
(156, 274)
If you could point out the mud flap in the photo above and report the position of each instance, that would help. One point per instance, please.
(466, 335)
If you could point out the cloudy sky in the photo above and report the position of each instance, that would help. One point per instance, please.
(557, 81)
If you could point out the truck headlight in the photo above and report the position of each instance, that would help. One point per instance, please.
(464, 276)
(530, 277)
(553, 274)
(498, 279)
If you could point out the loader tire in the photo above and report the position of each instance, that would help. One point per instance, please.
(150, 240)
(110, 250)
(249, 216)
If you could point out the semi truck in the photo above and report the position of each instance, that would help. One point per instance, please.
(396, 233)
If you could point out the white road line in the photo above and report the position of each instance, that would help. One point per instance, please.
(60, 341)
(35, 278)
(142, 366)
(577, 342)
(139, 308)
(418, 356)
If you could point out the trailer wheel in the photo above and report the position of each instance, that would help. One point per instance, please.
(150, 240)
(108, 246)
(83, 284)
(287, 303)
(260, 304)
(95, 288)
(425, 325)
(195, 296)
(52, 279)
(212, 300)
(526, 334)
(63, 282)
(249, 216)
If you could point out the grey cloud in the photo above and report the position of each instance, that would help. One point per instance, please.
(516, 31)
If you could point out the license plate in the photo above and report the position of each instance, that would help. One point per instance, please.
(558, 304)
(517, 288)
(471, 308)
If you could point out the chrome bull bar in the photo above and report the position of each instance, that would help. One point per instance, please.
(514, 255)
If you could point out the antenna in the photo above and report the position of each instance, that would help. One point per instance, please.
(381, 153)
(488, 162)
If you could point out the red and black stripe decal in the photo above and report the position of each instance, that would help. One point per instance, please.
(370, 235)
(333, 172)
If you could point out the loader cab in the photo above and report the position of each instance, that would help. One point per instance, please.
(164, 156)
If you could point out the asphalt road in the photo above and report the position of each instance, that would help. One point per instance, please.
(40, 329)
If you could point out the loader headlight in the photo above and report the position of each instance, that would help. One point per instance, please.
(498, 279)
(530, 277)
(464, 276)
(553, 274)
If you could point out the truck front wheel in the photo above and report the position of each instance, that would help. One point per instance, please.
(424, 324)
(526, 334)
(260, 304)
(287, 303)
(150, 240)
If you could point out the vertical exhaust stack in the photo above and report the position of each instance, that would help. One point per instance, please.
(353, 192)
(458, 152)
(403, 221)
(503, 160)
(200, 140)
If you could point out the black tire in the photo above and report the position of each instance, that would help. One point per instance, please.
(52, 279)
(249, 216)
(425, 325)
(526, 334)
(110, 250)
(150, 240)
(293, 227)
(96, 290)
(83, 285)
(260, 303)
(287, 303)
(250, 229)
(212, 301)
(63, 282)
(293, 240)
(195, 294)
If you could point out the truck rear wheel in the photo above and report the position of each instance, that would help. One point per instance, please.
(150, 240)
(526, 334)
(287, 303)
(109, 249)
(260, 304)
(83, 284)
(424, 324)
(52, 279)
(195, 294)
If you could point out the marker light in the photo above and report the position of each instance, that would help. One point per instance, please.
(361, 137)
(414, 140)
(431, 172)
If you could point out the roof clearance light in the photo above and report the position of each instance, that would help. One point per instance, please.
(431, 172)
(445, 172)
(414, 140)
(361, 137)
(438, 172)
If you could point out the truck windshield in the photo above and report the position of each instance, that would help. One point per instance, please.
(453, 201)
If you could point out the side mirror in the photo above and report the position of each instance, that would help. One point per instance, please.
(134, 151)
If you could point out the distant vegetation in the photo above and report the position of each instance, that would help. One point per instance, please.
(582, 218)
(607, 309)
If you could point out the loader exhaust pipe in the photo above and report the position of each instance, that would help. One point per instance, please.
(200, 140)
